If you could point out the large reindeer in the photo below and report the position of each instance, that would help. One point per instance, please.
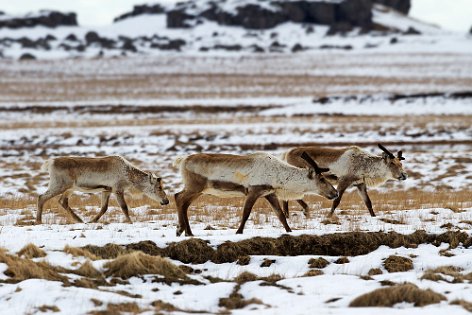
(109, 174)
(253, 176)
(350, 166)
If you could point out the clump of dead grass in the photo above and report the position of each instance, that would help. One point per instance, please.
(88, 270)
(20, 269)
(244, 260)
(80, 252)
(313, 273)
(398, 264)
(244, 277)
(374, 271)
(437, 274)
(236, 300)
(387, 297)
(119, 308)
(193, 250)
(138, 263)
(48, 308)
(109, 251)
(318, 263)
(31, 251)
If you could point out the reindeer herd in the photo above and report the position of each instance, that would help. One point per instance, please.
(299, 171)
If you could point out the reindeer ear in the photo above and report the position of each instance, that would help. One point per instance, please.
(311, 173)
(400, 155)
(312, 163)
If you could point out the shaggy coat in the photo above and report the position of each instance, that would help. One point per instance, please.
(251, 176)
(109, 174)
(350, 166)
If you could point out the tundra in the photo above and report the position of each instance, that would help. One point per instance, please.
(109, 174)
(350, 166)
(251, 176)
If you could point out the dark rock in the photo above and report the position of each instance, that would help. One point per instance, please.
(72, 37)
(229, 47)
(252, 16)
(339, 28)
(128, 45)
(27, 56)
(175, 44)
(179, 19)
(355, 12)
(297, 47)
(257, 49)
(393, 40)
(402, 6)
(43, 18)
(94, 38)
(345, 47)
(412, 31)
(140, 10)
(50, 37)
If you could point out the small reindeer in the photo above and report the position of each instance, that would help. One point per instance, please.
(350, 166)
(252, 176)
(109, 174)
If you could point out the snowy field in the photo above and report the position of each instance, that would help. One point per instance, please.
(152, 109)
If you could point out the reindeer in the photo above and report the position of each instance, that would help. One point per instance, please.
(109, 174)
(253, 176)
(350, 167)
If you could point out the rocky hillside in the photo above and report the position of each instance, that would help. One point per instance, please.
(214, 25)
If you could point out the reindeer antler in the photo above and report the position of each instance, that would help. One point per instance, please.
(312, 163)
(390, 154)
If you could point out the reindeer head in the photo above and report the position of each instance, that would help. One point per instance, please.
(315, 173)
(154, 189)
(394, 163)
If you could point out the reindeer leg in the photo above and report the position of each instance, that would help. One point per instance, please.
(248, 204)
(342, 186)
(183, 200)
(104, 206)
(285, 208)
(362, 190)
(306, 209)
(50, 193)
(64, 202)
(124, 207)
(274, 202)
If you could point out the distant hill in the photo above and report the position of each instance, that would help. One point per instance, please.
(207, 26)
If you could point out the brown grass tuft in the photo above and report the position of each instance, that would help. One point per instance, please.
(267, 262)
(313, 273)
(109, 251)
(20, 269)
(318, 263)
(120, 308)
(48, 308)
(244, 260)
(387, 297)
(31, 251)
(398, 264)
(193, 250)
(341, 260)
(80, 252)
(245, 276)
(375, 271)
(436, 274)
(88, 270)
(138, 263)
(236, 300)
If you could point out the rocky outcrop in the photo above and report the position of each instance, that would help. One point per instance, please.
(254, 16)
(402, 6)
(140, 10)
(43, 18)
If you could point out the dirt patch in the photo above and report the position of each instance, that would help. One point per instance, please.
(138, 263)
(31, 251)
(387, 297)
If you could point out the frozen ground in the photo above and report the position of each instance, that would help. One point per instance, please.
(153, 109)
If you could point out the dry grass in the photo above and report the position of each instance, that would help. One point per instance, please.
(20, 269)
(465, 304)
(31, 251)
(80, 252)
(119, 308)
(313, 273)
(398, 264)
(318, 263)
(138, 264)
(88, 270)
(437, 274)
(388, 297)
(48, 308)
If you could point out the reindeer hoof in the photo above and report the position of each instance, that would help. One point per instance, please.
(179, 232)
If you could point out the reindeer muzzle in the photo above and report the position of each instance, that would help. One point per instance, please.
(403, 176)
(165, 202)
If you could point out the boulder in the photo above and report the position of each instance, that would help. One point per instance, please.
(179, 19)
(93, 38)
(43, 18)
(27, 56)
(173, 44)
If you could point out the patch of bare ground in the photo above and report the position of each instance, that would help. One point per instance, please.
(337, 244)
(398, 264)
(388, 297)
